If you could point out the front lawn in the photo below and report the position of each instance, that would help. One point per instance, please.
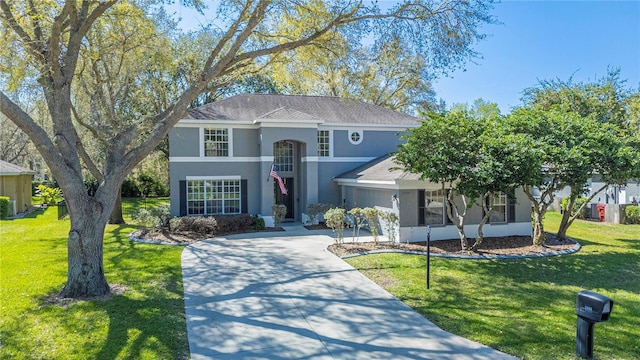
(146, 322)
(527, 307)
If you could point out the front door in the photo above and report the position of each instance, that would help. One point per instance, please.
(286, 200)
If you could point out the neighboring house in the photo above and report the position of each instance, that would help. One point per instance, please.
(629, 194)
(15, 183)
(221, 155)
(419, 203)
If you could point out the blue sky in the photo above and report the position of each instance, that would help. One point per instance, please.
(539, 40)
(547, 40)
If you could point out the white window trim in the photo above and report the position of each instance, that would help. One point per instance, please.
(229, 135)
(506, 208)
(215, 178)
(330, 144)
(359, 131)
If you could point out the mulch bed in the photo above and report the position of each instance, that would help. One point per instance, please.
(506, 245)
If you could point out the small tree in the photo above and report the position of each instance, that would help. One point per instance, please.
(371, 215)
(391, 224)
(358, 221)
(279, 211)
(334, 218)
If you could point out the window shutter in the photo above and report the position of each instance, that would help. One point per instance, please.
(421, 220)
(183, 197)
(511, 210)
(244, 203)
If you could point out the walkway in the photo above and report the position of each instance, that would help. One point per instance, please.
(284, 296)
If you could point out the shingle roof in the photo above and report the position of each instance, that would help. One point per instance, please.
(7, 168)
(380, 169)
(250, 107)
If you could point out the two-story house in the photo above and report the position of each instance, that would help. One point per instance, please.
(222, 155)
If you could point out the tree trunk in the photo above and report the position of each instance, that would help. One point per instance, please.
(565, 222)
(538, 228)
(116, 213)
(458, 219)
(485, 218)
(85, 273)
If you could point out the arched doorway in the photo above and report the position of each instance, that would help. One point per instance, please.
(286, 160)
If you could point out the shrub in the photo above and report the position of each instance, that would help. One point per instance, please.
(358, 221)
(576, 205)
(258, 223)
(49, 195)
(371, 215)
(156, 217)
(313, 210)
(633, 214)
(4, 206)
(279, 212)
(234, 223)
(391, 223)
(198, 224)
(129, 188)
(334, 218)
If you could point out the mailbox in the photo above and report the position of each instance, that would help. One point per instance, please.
(593, 307)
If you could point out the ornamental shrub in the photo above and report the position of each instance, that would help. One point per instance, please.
(258, 223)
(313, 210)
(371, 215)
(4, 206)
(334, 218)
(279, 212)
(391, 224)
(633, 214)
(576, 205)
(49, 195)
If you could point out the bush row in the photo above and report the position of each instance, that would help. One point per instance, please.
(633, 214)
(212, 225)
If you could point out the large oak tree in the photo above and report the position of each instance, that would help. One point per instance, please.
(43, 41)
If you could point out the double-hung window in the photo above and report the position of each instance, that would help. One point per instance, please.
(211, 197)
(216, 142)
(431, 207)
(323, 143)
(498, 213)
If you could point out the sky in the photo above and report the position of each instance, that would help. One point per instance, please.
(537, 40)
(544, 40)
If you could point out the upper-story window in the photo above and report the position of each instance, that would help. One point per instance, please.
(283, 155)
(355, 137)
(216, 142)
(323, 143)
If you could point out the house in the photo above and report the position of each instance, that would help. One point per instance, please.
(419, 203)
(222, 154)
(15, 183)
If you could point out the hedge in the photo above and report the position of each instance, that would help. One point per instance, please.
(4, 206)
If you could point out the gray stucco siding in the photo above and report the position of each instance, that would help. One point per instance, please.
(408, 207)
(374, 143)
(328, 190)
(184, 142)
(249, 171)
(308, 136)
(246, 142)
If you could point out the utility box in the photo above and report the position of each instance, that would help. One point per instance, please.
(591, 308)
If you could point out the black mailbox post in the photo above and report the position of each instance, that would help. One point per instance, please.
(591, 308)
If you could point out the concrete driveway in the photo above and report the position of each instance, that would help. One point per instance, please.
(284, 296)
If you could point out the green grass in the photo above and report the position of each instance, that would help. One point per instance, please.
(130, 206)
(526, 307)
(146, 322)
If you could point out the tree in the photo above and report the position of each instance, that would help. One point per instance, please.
(444, 150)
(597, 124)
(44, 43)
(572, 148)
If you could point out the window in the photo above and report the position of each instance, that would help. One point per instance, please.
(498, 213)
(216, 142)
(210, 197)
(355, 137)
(323, 143)
(431, 207)
(283, 156)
